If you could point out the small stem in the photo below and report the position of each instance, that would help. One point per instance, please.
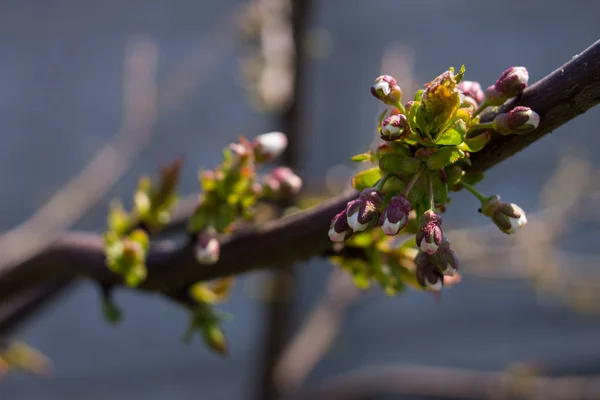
(475, 192)
(482, 126)
(482, 107)
(381, 182)
(430, 184)
(400, 107)
(413, 180)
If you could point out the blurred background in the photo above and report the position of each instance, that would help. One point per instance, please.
(137, 83)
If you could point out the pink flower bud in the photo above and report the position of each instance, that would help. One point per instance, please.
(513, 81)
(283, 182)
(429, 236)
(207, 247)
(427, 273)
(339, 229)
(446, 259)
(393, 127)
(395, 216)
(386, 90)
(519, 120)
(511, 84)
(269, 146)
(472, 92)
(362, 212)
(507, 216)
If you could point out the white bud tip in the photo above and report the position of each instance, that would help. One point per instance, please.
(534, 119)
(429, 248)
(435, 287)
(336, 236)
(389, 228)
(272, 143)
(354, 224)
(516, 223)
(383, 86)
(449, 271)
(522, 73)
(208, 254)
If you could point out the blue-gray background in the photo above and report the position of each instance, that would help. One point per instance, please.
(60, 100)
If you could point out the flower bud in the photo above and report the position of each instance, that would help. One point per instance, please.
(362, 212)
(507, 216)
(207, 247)
(429, 236)
(519, 120)
(473, 95)
(395, 216)
(282, 182)
(393, 127)
(386, 90)
(339, 230)
(427, 273)
(511, 83)
(269, 146)
(446, 259)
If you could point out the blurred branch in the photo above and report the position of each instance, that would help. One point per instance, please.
(81, 193)
(449, 383)
(172, 269)
(88, 187)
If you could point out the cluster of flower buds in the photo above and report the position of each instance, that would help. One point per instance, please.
(425, 154)
(431, 268)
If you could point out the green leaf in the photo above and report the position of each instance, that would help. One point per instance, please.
(118, 219)
(418, 94)
(444, 157)
(381, 118)
(366, 179)
(454, 135)
(476, 143)
(361, 240)
(398, 164)
(362, 157)
(459, 77)
(412, 118)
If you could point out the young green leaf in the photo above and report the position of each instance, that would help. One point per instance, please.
(443, 157)
(366, 179)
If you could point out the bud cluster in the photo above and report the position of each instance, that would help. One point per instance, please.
(425, 154)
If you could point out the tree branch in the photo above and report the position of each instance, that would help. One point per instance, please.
(569, 91)
(559, 97)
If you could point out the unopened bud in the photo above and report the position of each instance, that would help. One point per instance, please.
(393, 127)
(207, 247)
(507, 216)
(446, 259)
(519, 120)
(269, 146)
(429, 236)
(472, 93)
(427, 273)
(339, 230)
(214, 338)
(362, 212)
(511, 83)
(395, 216)
(386, 90)
(282, 182)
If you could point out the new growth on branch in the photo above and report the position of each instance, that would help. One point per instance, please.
(427, 143)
